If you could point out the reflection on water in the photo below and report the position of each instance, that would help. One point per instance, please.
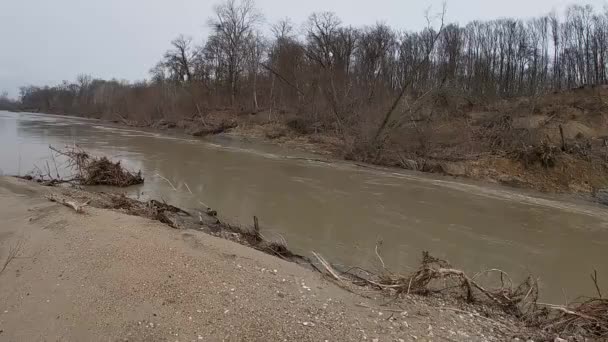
(339, 210)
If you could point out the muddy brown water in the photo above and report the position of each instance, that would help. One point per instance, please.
(341, 210)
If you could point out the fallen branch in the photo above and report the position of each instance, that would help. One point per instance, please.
(378, 255)
(79, 208)
(327, 267)
(187, 187)
(168, 181)
(267, 67)
(468, 283)
(567, 311)
(495, 270)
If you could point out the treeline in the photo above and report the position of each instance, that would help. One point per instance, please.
(6, 103)
(339, 76)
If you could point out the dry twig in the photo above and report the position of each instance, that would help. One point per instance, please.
(328, 267)
(595, 282)
(168, 181)
(12, 254)
(378, 255)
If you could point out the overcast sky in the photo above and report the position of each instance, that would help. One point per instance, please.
(47, 41)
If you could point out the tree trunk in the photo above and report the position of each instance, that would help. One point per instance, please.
(271, 97)
(255, 92)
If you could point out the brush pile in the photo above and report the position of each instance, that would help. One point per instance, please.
(585, 318)
(91, 170)
(543, 154)
(435, 277)
(433, 270)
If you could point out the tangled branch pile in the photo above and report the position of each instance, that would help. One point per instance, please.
(92, 170)
(436, 276)
(588, 318)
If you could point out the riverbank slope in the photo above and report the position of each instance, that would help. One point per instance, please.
(104, 275)
(554, 142)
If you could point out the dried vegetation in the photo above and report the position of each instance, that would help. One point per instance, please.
(83, 168)
(586, 318)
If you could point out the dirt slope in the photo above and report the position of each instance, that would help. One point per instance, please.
(107, 276)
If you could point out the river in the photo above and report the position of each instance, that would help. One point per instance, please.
(341, 210)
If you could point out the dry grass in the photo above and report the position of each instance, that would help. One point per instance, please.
(13, 252)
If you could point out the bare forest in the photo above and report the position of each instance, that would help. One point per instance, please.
(520, 102)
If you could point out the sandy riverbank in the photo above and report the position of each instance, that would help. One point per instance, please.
(104, 275)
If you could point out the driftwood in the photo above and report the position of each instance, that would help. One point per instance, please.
(168, 181)
(79, 208)
(327, 267)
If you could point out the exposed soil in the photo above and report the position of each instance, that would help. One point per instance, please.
(105, 275)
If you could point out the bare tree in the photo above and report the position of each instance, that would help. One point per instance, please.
(179, 59)
(283, 30)
(255, 48)
(233, 23)
(6, 103)
(429, 47)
